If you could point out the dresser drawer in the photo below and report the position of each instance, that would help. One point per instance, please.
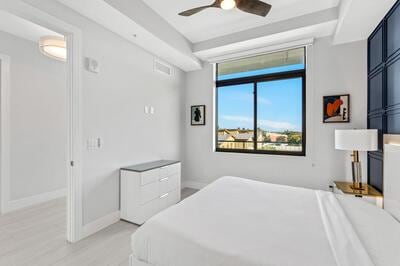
(150, 176)
(175, 196)
(149, 209)
(169, 170)
(169, 199)
(149, 192)
(164, 186)
(168, 184)
(173, 182)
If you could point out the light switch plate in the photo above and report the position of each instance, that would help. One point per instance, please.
(94, 143)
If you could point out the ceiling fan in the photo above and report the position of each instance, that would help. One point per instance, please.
(255, 7)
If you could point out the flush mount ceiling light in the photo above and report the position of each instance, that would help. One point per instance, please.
(255, 7)
(54, 47)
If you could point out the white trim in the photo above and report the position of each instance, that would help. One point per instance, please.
(4, 132)
(14, 205)
(310, 111)
(74, 65)
(263, 50)
(193, 184)
(133, 261)
(99, 224)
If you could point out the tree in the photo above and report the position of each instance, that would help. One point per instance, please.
(294, 139)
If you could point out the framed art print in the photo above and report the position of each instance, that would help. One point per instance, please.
(336, 109)
(198, 116)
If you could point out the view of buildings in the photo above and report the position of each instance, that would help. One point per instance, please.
(239, 139)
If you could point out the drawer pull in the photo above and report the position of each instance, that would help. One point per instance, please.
(165, 195)
(164, 179)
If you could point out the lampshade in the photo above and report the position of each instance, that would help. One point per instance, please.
(356, 140)
(54, 47)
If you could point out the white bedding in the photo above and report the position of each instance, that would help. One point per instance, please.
(236, 222)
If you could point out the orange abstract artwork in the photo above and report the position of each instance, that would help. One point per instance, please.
(336, 109)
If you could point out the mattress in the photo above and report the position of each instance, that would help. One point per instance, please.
(235, 221)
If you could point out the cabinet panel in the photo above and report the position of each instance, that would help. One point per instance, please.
(393, 83)
(375, 96)
(149, 192)
(393, 122)
(378, 122)
(393, 32)
(376, 49)
(148, 210)
(375, 171)
(144, 194)
(150, 176)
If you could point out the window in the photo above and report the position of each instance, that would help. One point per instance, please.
(261, 104)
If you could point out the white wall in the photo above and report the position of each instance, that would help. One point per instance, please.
(37, 119)
(113, 104)
(333, 70)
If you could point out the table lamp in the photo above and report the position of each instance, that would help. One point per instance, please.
(356, 140)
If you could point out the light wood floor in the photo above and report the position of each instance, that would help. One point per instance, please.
(36, 236)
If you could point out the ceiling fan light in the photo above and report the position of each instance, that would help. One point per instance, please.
(228, 4)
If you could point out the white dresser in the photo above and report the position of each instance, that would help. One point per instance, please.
(148, 188)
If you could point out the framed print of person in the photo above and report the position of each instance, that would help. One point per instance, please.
(198, 116)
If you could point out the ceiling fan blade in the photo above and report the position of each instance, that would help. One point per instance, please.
(193, 11)
(255, 7)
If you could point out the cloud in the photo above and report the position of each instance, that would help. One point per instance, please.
(265, 101)
(276, 124)
(235, 118)
(262, 123)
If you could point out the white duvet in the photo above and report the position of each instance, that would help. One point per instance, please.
(236, 221)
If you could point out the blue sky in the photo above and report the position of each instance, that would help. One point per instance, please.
(279, 103)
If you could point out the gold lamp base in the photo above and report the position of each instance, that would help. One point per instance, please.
(356, 171)
(357, 187)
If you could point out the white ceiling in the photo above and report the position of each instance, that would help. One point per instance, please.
(358, 18)
(215, 22)
(215, 33)
(23, 28)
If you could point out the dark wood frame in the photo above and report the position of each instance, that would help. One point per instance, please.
(323, 109)
(191, 115)
(255, 80)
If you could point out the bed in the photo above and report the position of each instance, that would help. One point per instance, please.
(236, 221)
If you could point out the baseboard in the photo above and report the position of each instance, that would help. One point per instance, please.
(135, 262)
(193, 184)
(14, 205)
(99, 224)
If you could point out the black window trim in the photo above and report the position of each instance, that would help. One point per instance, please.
(257, 79)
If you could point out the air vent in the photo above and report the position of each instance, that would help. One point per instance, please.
(163, 68)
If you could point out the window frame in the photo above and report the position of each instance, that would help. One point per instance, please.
(255, 80)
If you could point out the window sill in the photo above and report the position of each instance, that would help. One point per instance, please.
(277, 153)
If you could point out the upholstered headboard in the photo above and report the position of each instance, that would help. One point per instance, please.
(391, 175)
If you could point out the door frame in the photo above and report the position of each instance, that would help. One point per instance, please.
(74, 94)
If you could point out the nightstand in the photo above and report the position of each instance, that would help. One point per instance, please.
(369, 193)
